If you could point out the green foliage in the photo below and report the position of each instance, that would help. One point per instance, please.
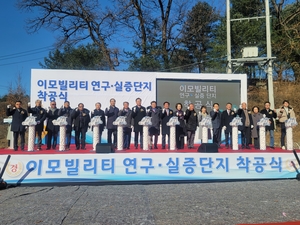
(84, 57)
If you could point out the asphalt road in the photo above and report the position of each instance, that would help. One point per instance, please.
(195, 203)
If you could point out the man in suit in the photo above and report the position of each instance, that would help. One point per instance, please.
(155, 113)
(111, 113)
(247, 125)
(226, 117)
(18, 116)
(215, 115)
(52, 130)
(271, 114)
(99, 112)
(167, 113)
(40, 115)
(126, 111)
(66, 111)
(138, 113)
(81, 117)
(191, 124)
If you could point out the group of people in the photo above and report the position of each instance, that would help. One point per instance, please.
(78, 119)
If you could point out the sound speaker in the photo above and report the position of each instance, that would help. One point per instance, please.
(104, 148)
(208, 147)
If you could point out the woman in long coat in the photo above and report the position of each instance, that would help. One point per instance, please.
(256, 116)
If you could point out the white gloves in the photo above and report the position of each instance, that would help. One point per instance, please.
(252, 126)
(29, 104)
(134, 109)
(234, 109)
(215, 110)
(8, 106)
(76, 109)
(188, 108)
(176, 113)
(224, 127)
(163, 111)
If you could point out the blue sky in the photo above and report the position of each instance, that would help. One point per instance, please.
(19, 51)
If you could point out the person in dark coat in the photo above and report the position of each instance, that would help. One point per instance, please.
(111, 113)
(215, 115)
(271, 114)
(226, 117)
(99, 112)
(138, 113)
(166, 114)
(180, 129)
(52, 130)
(247, 125)
(66, 111)
(191, 124)
(40, 115)
(81, 117)
(126, 111)
(155, 113)
(18, 116)
(256, 117)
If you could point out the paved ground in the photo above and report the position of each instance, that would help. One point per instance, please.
(196, 203)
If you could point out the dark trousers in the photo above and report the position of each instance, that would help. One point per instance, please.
(256, 143)
(80, 135)
(155, 140)
(68, 139)
(39, 136)
(190, 138)
(163, 141)
(51, 135)
(16, 136)
(179, 142)
(136, 138)
(228, 137)
(126, 137)
(217, 136)
(246, 136)
(283, 134)
(111, 132)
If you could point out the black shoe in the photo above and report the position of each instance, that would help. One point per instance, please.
(150, 147)
(77, 147)
(272, 147)
(248, 147)
(48, 148)
(15, 149)
(155, 147)
(243, 146)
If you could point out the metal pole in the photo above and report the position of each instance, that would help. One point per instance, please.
(269, 55)
(228, 27)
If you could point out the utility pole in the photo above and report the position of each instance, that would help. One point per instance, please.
(228, 28)
(269, 55)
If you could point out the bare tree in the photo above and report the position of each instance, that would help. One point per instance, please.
(76, 20)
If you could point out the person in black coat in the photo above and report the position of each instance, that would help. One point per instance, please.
(166, 114)
(112, 113)
(126, 111)
(18, 116)
(81, 119)
(180, 129)
(226, 117)
(155, 113)
(52, 130)
(99, 112)
(271, 114)
(66, 111)
(247, 125)
(138, 113)
(191, 124)
(215, 115)
(40, 115)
